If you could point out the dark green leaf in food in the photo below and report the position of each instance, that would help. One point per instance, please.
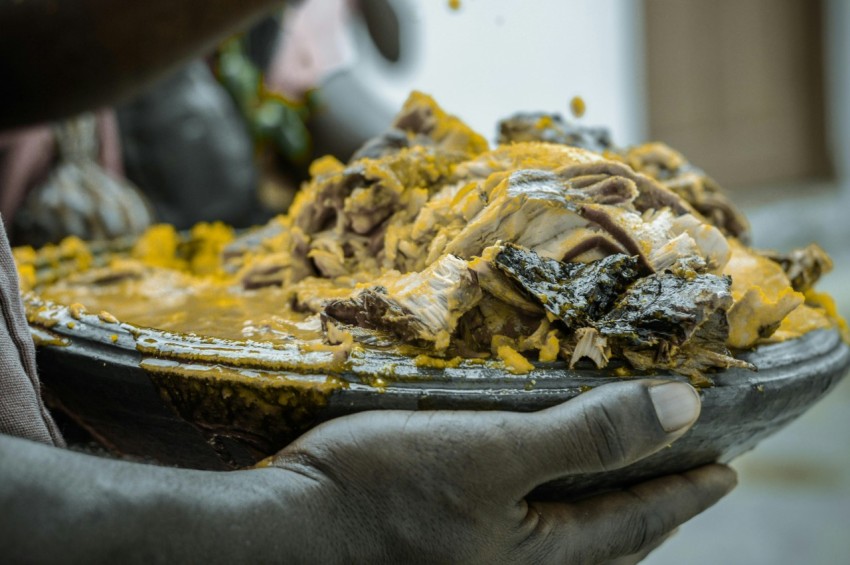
(576, 293)
(664, 307)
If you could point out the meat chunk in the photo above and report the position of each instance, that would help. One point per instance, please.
(422, 122)
(651, 194)
(763, 296)
(557, 217)
(552, 128)
(804, 267)
(667, 178)
(422, 306)
(530, 209)
(590, 345)
(498, 284)
(670, 168)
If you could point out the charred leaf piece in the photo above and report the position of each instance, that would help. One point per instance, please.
(576, 293)
(664, 307)
(704, 352)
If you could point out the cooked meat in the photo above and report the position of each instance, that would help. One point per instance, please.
(592, 346)
(691, 360)
(713, 247)
(391, 141)
(758, 317)
(804, 267)
(422, 122)
(552, 128)
(651, 194)
(669, 167)
(335, 332)
(530, 208)
(491, 319)
(666, 169)
(495, 282)
(422, 306)
(763, 296)
(706, 196)
(577, 221)
(471, 249)
(705, 351)
(478, 245)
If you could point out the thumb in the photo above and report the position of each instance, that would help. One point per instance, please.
(603, 429)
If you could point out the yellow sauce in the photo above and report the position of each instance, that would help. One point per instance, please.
(514, 361)
(436, 362)
(764, 300)
(577, 106)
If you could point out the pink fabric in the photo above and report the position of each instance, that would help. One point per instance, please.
(28, 155)
(31, 151)
(110, 143)
(316, 42)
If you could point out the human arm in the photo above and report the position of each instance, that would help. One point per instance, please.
(373, 487)
(58, 58)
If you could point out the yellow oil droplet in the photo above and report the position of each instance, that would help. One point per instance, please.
(76, 310)
(107, 317)
(454, 4)
(577, 106)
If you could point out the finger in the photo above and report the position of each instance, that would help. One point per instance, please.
(625, 522)
(642, 554)
(603, 429)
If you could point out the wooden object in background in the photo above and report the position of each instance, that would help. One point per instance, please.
(737, 86)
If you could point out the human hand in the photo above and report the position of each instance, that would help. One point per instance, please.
(451, 486)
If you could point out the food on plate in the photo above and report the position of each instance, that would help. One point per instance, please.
(556, 244)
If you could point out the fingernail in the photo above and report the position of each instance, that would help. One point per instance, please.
(676, 405)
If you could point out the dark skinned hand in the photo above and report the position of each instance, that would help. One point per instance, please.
(452, 486)
(376, 487)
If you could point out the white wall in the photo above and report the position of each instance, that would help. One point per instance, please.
(494, 57)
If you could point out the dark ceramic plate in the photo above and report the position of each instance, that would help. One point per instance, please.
(233, 404)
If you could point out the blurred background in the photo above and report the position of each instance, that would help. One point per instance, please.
(753, 91)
